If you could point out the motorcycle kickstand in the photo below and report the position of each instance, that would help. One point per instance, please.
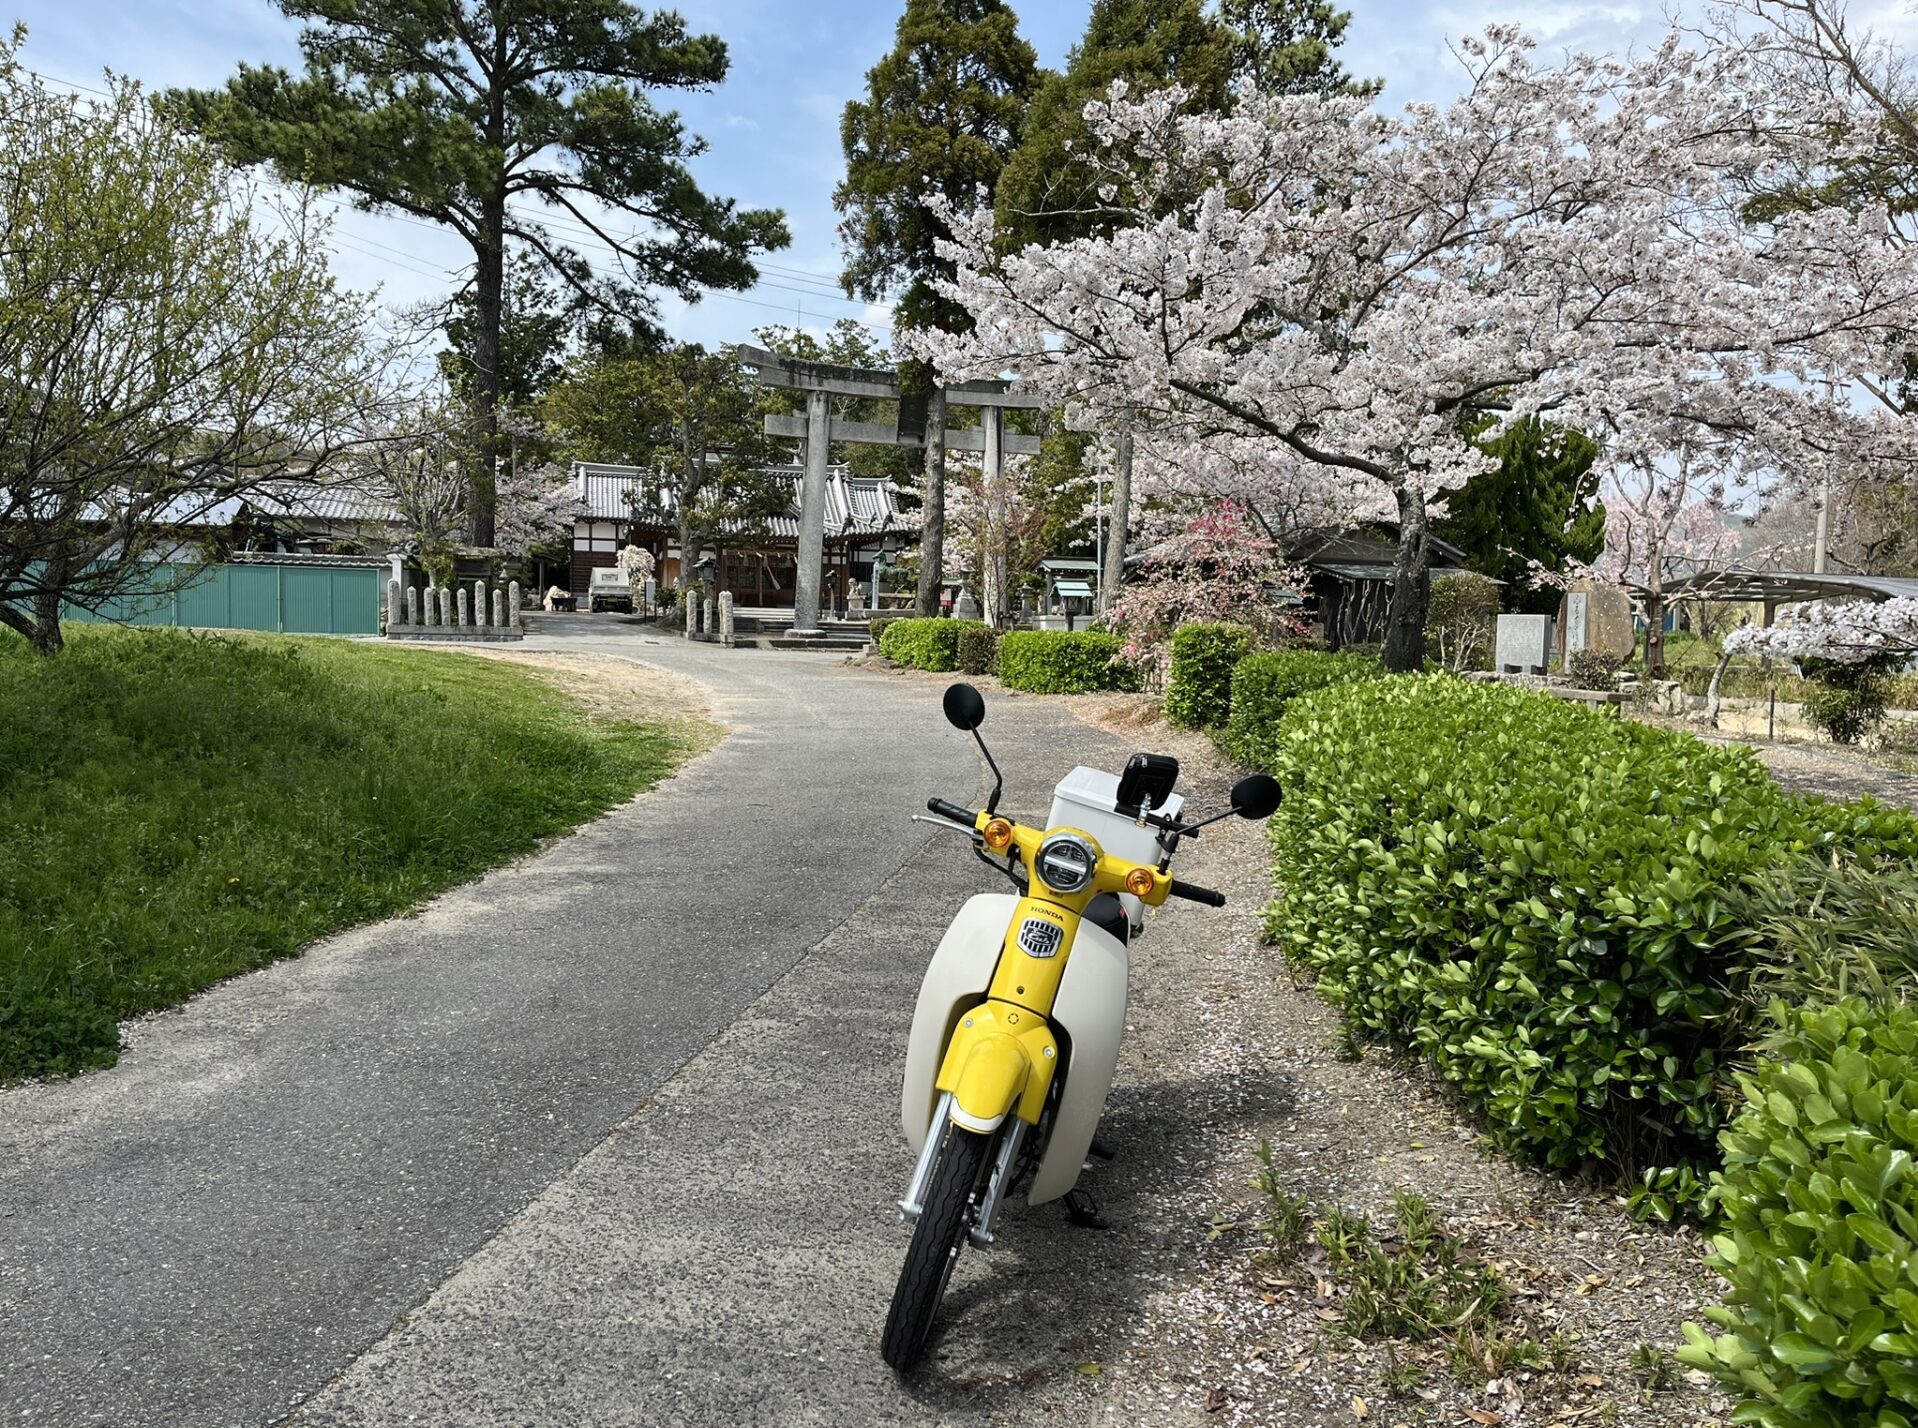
(1082, 1210)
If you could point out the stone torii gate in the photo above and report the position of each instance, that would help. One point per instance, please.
(821, 382)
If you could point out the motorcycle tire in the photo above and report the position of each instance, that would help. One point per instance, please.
(936, 1241)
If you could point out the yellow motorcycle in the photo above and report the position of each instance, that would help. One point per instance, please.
(1015, 1036)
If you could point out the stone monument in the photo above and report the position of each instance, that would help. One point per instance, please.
(1524, 644)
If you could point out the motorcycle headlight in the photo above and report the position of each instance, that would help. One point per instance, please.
(1065, 863)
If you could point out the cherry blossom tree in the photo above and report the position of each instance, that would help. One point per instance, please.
(1846, 633)
(534, 505)
(1216, 564)
(1353, 294)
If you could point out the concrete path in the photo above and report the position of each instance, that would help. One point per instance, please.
(726, 1257)
(273, 1176)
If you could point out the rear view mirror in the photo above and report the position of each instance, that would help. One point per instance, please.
(965, 707)
(1256, 796)
(1148, 781)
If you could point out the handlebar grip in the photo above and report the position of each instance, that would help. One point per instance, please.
(1192, 892)
(952, 811)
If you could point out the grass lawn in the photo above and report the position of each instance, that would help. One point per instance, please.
(178, 808)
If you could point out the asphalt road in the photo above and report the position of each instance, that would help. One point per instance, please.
(275, 1176)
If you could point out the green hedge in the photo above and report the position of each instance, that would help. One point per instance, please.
(977, 649)
(877, 626)
(1264, 684)
(925, 644)
(1063, 662)
(1533, 896)
(1198, 691)
(1821, 1224)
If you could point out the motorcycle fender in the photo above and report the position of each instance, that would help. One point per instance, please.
(1090, 1010)
(956, 980)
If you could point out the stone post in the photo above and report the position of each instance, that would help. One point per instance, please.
(412, 605)
(691, 603)
(726, 618)
(652, 596)
(706, 623)
(460, 609)
(512, 604)
(499, 608)
(395, 612)
(480, 607)
(812, 516)
(446, 606)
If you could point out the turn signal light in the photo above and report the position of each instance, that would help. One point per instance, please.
(998, 835)
(1139, 881)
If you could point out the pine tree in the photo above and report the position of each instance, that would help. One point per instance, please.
(465, 113)
(1536, 505)
(1050, 189)
(1285, 46)
(942, 112)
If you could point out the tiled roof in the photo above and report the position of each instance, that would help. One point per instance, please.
(855, 505)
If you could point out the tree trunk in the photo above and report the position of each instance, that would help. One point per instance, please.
(932, 513)
(489, 280)
(1655, 634)
(41, 629)
(1411, 587)
(1114, 573)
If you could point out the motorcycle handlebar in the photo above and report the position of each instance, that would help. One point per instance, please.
(1192, 892)
(952, 811)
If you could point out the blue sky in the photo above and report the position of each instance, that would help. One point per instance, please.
(773, 126)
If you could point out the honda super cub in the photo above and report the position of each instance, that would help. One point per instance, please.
(1016, 1033)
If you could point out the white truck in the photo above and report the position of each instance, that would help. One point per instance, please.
(609, 590)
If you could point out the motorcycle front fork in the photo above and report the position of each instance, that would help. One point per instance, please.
(1004, 1165)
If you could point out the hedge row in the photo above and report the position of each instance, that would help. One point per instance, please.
(1820, 1204)
(1198, 691)
(1263, 685)
(1063, 662)
(1533, 896)
(925, 644)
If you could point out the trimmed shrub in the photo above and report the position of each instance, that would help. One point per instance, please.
(925, 644)
(1534, 897)
(1820, 1203)
(977, 646)
(1198, 691)
(877, 626)
(1264, 684)
(1063, 662)
(1462, 619)
(1847, 701)
(1594, 669)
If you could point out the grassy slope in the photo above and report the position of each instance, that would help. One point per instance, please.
(175, 809)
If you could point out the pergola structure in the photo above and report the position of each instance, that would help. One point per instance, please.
(821, 382)
(1772, 588)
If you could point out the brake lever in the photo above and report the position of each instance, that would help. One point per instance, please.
(972, 833)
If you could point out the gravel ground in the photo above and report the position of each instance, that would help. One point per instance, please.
(1224, 1334)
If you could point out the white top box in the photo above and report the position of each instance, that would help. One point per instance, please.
(1084, 799)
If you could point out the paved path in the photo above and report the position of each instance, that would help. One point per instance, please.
(220, 1225)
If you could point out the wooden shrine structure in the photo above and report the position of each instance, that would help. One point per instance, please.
(821, 382)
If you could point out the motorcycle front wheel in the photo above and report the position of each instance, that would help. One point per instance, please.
(936, 1241)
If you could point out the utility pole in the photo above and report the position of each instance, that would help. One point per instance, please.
(1821, 537)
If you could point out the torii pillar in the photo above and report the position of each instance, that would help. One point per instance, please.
(821, 382)
(812, 515)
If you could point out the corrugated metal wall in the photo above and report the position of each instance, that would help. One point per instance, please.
(297, 599)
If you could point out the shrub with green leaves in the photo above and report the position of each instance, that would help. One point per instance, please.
(1064, 662)
(1198, 691)
(977, 646)
(1534, 896)
(877, 626)
(1820, 1247)
(1846, 700)
(1264, 684)
(925, 644)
